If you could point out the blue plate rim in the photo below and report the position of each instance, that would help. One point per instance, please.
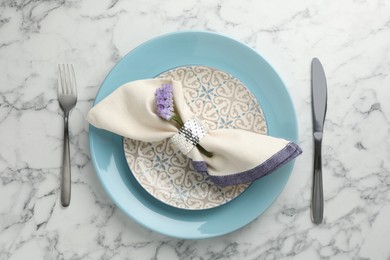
(104, 184)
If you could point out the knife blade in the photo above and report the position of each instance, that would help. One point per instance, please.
(319, 104)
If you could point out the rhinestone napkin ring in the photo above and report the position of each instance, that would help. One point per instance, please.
(189, 135)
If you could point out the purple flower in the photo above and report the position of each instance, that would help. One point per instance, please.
(164, 101)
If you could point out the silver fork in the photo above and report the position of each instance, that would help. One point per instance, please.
(67, 98)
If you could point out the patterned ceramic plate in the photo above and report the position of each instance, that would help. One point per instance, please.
(220, 101)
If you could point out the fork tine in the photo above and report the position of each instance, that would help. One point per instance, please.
(61, 86)
(64, 76)
(73, 76)
(70, 78)
(59, 80)
(67, 78)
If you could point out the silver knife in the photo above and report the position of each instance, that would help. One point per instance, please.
(319, 100)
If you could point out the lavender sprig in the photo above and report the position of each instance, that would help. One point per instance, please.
(164, 100)
(166, 110)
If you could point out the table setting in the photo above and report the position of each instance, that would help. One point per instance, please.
(194, 130)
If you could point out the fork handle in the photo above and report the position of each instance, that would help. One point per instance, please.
(65, 183)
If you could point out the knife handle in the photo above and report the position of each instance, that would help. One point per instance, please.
(317, 202)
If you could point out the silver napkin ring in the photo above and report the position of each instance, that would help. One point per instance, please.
(189, 135)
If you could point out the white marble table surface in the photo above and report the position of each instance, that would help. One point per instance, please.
(352, 39)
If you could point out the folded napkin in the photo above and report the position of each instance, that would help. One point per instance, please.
(239, 156)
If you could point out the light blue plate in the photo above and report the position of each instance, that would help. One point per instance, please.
(193, 48)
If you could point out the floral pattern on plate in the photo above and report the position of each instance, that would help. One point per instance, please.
(219, 100)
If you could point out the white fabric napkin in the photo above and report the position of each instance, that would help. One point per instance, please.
(239, 156)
